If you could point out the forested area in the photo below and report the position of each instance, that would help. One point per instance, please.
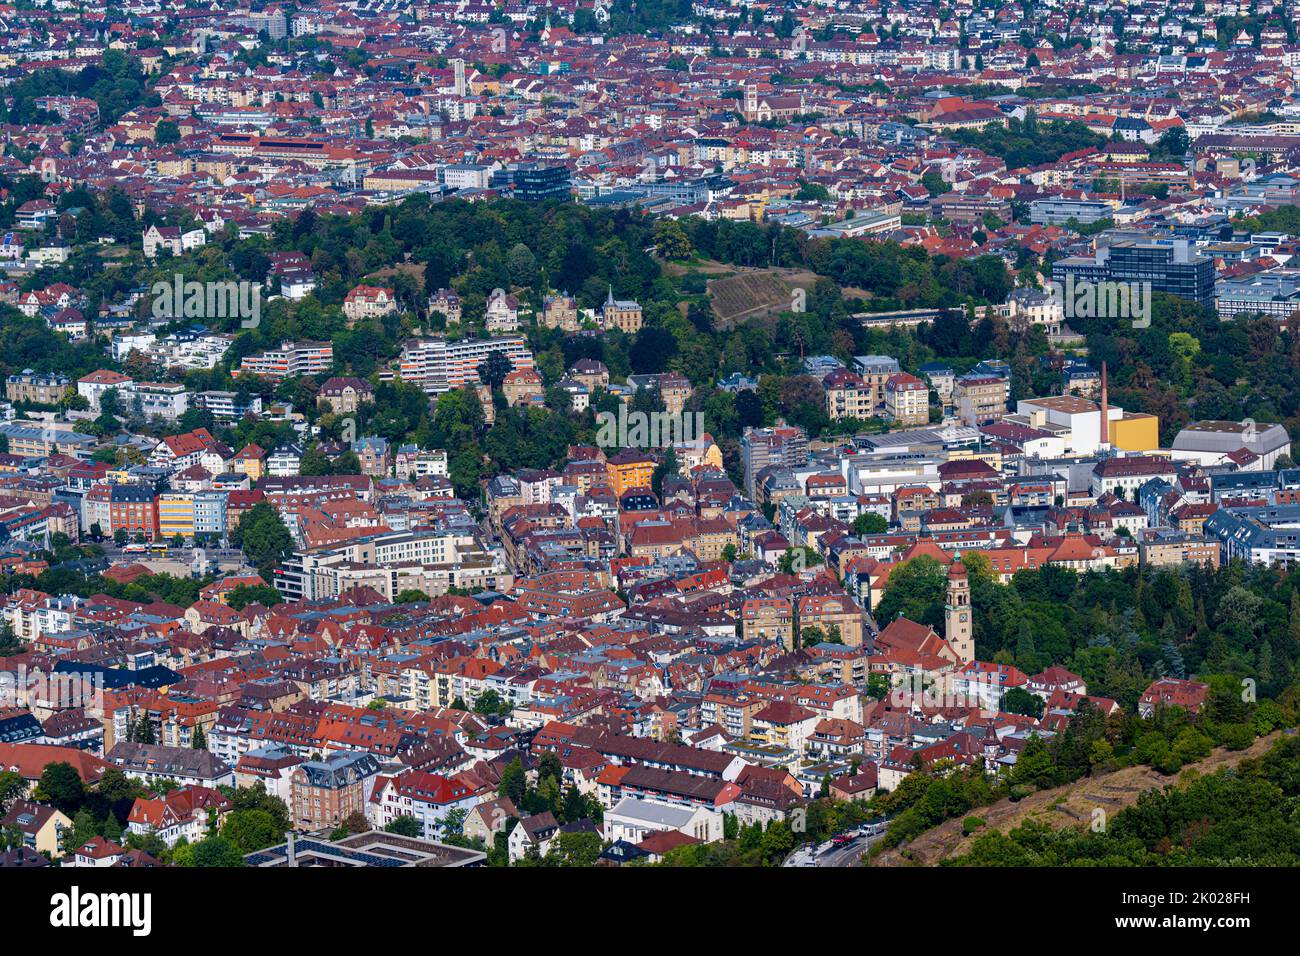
(117, 84)
(1187, 365)
(1119, 629)
(418, 247)
(1248, 816)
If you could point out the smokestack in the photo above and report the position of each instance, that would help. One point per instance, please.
(292, 857)
(1105, 409)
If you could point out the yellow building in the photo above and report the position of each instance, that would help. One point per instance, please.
(1136, 431)
(768, 619)
(41, 827)
(696, 454)
(176, 515)
(250, 461)
(630, 469)
(991, 458)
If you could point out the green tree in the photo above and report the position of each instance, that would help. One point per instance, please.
(12, 786)
(214, 851)
(243, 595)
(494, 369)
(490, 703)
(574, 849)
(1020, 701)
(264, 539)
(404, 825)
(61, 786)
(513, 783)
(251, 830)
(10, 645)
(870, 523)
(167, 132)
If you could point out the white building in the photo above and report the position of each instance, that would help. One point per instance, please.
(93, 386)
(429, 797)
(1076, 420)
(1210, 443)
(633, 819)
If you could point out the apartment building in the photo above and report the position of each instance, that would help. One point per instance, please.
(133, 509)
(33, 440)
(368, 302)
(437, 365)
(228, 405)
(93, 386)
(1124, 476)
(875, 371)
(412, 462)
(41, 388)
(831, 614)
(907, 400)
(980, 398)
(176, 515)
(430, 561)
(344, 394)
(780, 445)
(673, 387)
(289, 360)
(325, 792)
(167, 400)
(630, 469)
(848, 396)
(768, 620)
(560, 312)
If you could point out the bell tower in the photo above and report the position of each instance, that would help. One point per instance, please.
(958, 628)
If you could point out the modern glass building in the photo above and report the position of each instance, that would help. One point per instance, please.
(1170, 268)
(533, 182)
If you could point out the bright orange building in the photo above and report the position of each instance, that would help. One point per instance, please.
(630, 469)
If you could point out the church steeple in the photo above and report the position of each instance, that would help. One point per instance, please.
(958, 629)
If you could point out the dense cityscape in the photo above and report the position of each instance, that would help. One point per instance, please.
(602, 434)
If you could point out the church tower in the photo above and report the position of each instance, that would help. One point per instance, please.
(958, 628)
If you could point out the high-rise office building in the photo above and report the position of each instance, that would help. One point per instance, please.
(1170, 268)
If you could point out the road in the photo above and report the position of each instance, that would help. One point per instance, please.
(830, 855)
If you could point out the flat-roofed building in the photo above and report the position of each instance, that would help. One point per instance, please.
(373, 848)
(1274, 293)
(1211, 442)
(980, 398)
(1081, 417)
